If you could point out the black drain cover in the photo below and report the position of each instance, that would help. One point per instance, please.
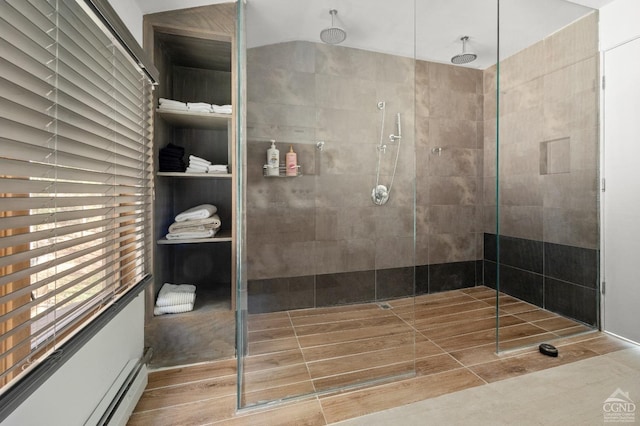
(548, 349)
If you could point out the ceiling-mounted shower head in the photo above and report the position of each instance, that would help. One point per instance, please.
(333, 34)
(464, 57)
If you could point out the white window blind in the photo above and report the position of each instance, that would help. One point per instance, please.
(75, 175)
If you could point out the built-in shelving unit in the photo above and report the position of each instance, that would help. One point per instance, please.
(193, 49)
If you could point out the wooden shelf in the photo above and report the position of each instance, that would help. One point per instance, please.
(196, 175)
(198, 120)
(220, 237)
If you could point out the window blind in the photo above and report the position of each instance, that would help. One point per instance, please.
(75, 176)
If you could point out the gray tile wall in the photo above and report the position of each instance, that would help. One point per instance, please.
(449, 111)
(548, 140)
(324, 222)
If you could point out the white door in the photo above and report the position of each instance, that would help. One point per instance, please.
(621, 199)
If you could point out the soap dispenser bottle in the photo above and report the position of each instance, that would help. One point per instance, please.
(291, 161)
(273, 160)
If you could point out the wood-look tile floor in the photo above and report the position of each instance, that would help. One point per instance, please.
(433, 345)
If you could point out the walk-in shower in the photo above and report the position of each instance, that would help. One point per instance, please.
(381, 193)
(413, 195)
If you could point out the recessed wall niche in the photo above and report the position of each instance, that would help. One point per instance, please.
(555, 156)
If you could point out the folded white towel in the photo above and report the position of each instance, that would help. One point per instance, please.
(222, 109)
(170, 104)
(193, 229)
(212, 222)
(165, 101)
(199, 109)
(176, 294)
(199, 165)
(202, 211)
(217, 168)
(209, 233)
(172, 107)
(173, 309)
(194, 159)
(199, 106)
(195, 170)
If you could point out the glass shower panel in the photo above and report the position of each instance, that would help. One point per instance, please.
(242, 329)
(327, 288)
(542, 253)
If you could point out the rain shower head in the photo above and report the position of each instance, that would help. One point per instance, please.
(333, 34)
(464, 57)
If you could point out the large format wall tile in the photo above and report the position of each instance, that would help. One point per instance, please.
(339, 289)
(548, 135)
(368, 285)
(557, 277)
(572, 300)
(338, 105)
(281, 294)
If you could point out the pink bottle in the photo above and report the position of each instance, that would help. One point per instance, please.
(291, 161)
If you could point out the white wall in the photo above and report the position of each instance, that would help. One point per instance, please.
(131, 15)
(71, 394)
(619, 26)
(619, 23)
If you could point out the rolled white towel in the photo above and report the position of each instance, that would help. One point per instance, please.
(222, 109)
(195, 160)
(212, 222)
(176, 294)
(209, 233)
(203, 211)
(173, 309)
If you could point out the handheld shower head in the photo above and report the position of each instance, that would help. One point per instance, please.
(464, 57)
(333, 34)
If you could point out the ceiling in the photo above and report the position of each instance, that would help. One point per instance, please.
(431, 33)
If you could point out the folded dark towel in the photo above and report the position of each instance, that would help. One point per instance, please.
(166, 154)
(170, 159)
(172, 150)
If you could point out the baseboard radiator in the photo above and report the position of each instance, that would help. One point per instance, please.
(118, 403)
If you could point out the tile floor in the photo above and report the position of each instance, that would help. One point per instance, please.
(299, 352)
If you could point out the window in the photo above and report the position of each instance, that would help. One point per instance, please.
(75, 176)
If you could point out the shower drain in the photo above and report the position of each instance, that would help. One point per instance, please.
(384, 305)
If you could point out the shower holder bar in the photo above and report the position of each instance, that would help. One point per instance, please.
(282, 172)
